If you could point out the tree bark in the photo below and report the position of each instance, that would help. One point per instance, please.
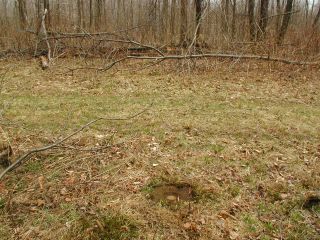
(91, 14)
(5, 9)
(80, 14)
(252, 28)
(173, 18)
(263, 21)
(22, 9)
(233, 23)
(58, 14)
(164, 20)
(285, 21)
(98, 14)
(278, 18)
(199, 12)
(225, 15)
(183, 22)
(316, 19)
(46, 5)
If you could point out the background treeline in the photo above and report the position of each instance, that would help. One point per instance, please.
(224, 25)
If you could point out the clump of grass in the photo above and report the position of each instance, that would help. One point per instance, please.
(112, 226)
(2, 203)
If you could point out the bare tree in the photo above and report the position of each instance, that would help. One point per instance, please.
(233, 23)
(98, 14)
(58, 10)
(173, 17)
(46, 5)
(278, 17)
(80, 14)
(22, 9)
(183, 21)
(285, 21)
(199, 12)
(5, 9)
(164, 20)
(316, 19)
(91, 14)
(263, 21)
(225, 5)
(252, 28)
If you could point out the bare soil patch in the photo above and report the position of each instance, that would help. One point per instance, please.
(172, 193)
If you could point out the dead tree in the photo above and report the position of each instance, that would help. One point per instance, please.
(263, 21)
(183, 22)
(199, 12)
(80, 14)
(233, 23)
(173, 17)
(316, 19)
(278, 17)
(225, 15)
(164, 20)
(252, 27)
(285, 21)
(91, 14)
(46, 5)
(98, 14)
(58, 9)
(22, 9)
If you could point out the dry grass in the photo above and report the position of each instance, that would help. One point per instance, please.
(245, 135)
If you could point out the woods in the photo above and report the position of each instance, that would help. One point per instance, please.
(271, 21)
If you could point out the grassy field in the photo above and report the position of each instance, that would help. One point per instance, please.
(244, 136)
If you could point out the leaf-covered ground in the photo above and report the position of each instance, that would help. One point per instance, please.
(244, 135)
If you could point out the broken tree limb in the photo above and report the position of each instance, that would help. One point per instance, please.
(199, 56)
(56, 144)
(43, 36)
(230, 56)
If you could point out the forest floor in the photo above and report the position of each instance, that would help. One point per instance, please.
(228, 151)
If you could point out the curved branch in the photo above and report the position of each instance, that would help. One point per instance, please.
(57, 143)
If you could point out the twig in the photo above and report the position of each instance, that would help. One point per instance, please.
(57, 143)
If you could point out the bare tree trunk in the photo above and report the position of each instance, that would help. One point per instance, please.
(58, 12)
(80, 14)
(306, 9)
(252, 28)
(22, 9)
(263, 21)
(285, 21)
(46, 5)
(278, 17)
(5, 9)
(164, 20)
(312, 7)
(183, 22)
(225, 15)
(233, 23)
(199, 12)
(131, 14)
(316, 19)
(91, 14)
(173, 18)
(98, 14)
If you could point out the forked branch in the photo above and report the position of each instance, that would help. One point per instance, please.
(56, 144)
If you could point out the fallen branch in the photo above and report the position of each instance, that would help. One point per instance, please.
(221, 55)
(57, 143)
(197, 56)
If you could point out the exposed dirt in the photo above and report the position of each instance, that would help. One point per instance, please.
(173, 193)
